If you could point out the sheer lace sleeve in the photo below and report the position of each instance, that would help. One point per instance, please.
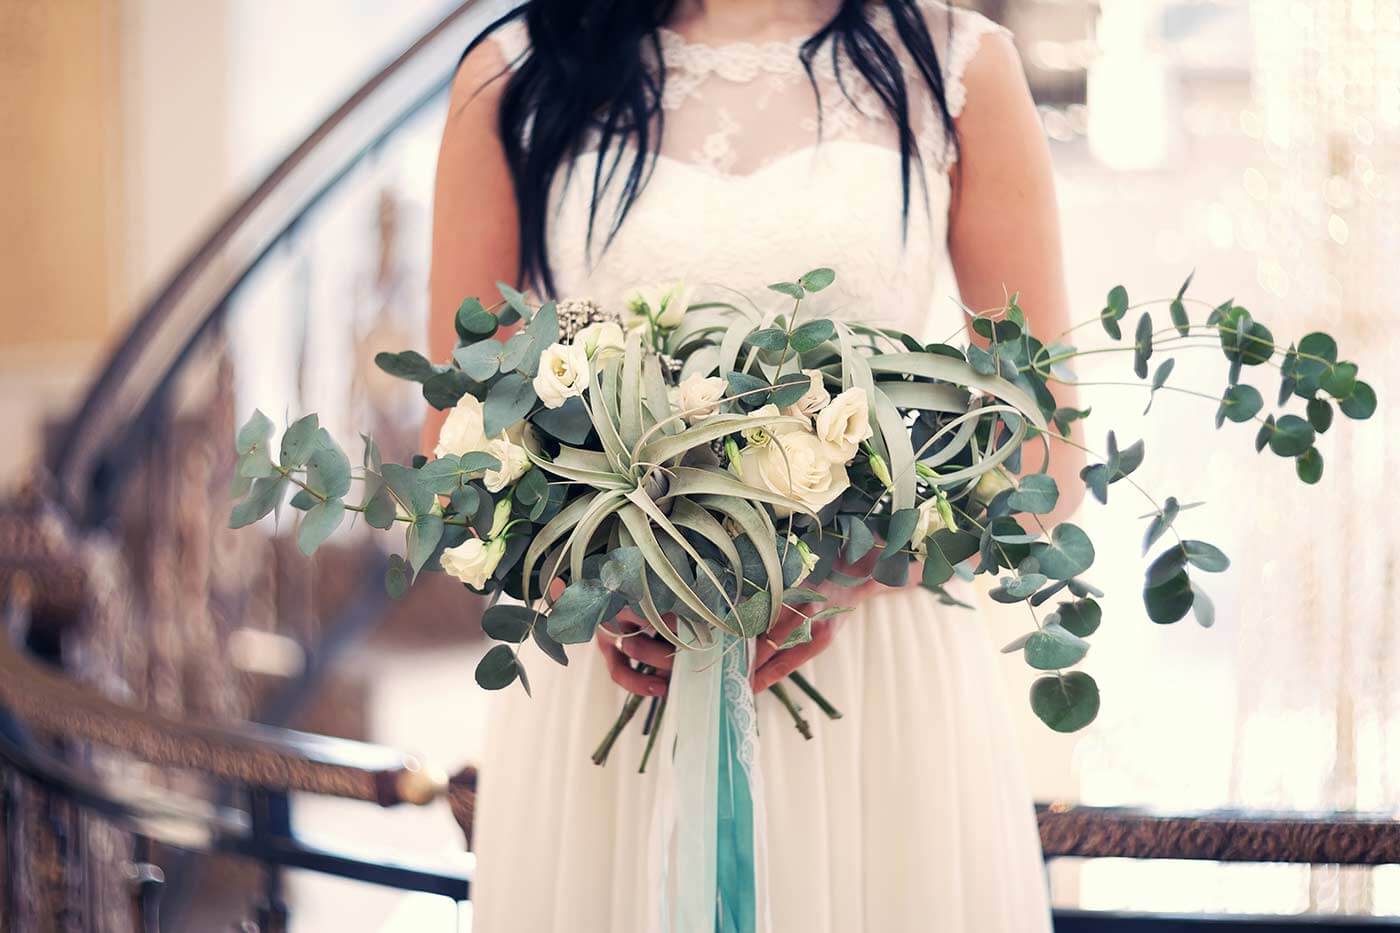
(962, 31)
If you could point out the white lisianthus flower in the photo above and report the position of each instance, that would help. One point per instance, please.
(514, 462)
(991, 483)
(813, 400)
(464, 431)
(795, 464)
(844, 423)
(598, 336)
(698, 396)
(473, 561)
(759, 437)
(930, 520)
(563, 374)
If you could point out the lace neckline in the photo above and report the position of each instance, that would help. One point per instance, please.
(673, 41)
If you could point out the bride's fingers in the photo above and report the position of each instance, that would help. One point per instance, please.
(782, 663)
(622, 672)
(768, 642)
(648, 650)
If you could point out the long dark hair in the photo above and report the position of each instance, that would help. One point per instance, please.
(584, 77)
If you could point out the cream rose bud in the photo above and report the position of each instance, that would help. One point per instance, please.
(930, 520)
(563, 374)
(473, 561)
(514, 462)
(464, 431)
(795, 464)
(992, 482)
(674, 304)
(813, 400)
(698, 396)
(598, 336)
(844, 423)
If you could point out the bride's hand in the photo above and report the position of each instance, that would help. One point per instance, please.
(772, 664)
(626, 639)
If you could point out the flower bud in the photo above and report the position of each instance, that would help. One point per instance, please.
(881, 471)
(500, 519)
(731, 452)
(945, 511)
(992, 483)
(809, 560)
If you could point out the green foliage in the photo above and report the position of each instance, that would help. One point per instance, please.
(1067, 702)
(629, 506)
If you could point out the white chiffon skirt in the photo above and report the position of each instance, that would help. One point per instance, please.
(909, 814)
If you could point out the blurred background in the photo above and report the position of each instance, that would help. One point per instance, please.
(211, 206)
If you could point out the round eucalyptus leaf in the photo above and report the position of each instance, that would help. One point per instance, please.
(1167, 565)
(1054, 647)
(1202, 607)
(1240, 403)
(1361, 404)
(1068, 553)
(1036, 494)
(504, 622)
(1257, 346)
(318, 524)
(1339, 381)
(1292, 436)
(811, 335)
(1066, 703)
(498, 668)
(1320, 414)
(817, 279)
(1170, 601)
(773, 339)
(1205, 556)
(1082, 617)
(1309, 466)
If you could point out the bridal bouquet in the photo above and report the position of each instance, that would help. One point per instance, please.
(706, 466)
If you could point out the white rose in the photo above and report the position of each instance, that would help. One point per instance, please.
(844, 423)
(795, 464)
(991, 483)
(595, 337)
(514, 462)
(930, 520)
(563, 374)
(698, 396)
(474, 560)
(813, 400)
(464, 431)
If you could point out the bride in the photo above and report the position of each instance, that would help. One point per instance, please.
(594, 145)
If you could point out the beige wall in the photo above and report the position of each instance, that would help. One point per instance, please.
(113, 157)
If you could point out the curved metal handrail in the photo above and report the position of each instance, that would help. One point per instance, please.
(257, 756)
(194, 297)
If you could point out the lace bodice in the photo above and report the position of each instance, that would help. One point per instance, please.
(756, 184)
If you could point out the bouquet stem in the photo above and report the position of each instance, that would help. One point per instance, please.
(822, 702)
(660, 711)
(803, 726)
(629, 709)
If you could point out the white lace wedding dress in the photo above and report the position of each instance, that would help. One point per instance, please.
(911, 813)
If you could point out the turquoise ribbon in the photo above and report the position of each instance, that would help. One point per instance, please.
(713, 879)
